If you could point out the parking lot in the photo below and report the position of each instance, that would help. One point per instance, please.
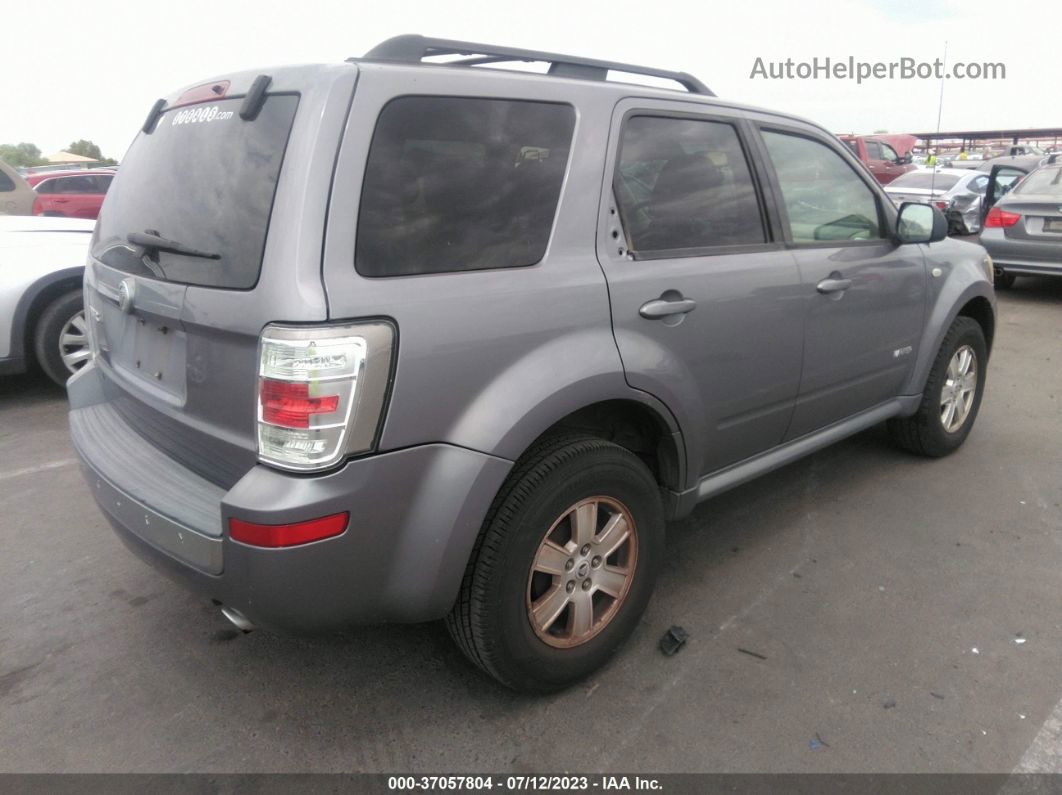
(861, 610)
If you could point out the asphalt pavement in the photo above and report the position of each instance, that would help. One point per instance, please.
(860, 610)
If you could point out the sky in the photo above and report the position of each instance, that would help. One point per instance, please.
(74, 70)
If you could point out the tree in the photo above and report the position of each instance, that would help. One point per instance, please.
(23, 155)
(880, 132)
(85, 149)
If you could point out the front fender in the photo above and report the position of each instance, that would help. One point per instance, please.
(963, 278)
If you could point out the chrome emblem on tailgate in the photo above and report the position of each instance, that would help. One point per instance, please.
(125, 295)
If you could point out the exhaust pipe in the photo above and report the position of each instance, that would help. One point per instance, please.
(238, 619)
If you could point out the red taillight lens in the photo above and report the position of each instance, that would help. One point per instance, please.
(941, 205)
(288, 403)
(287, 535)
(37, 208)
(1001, 219)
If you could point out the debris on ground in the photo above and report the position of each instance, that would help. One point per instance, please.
(673, 640)
(755, 654)
(816, 742)
(1019, 641)
(975, 650)
(889, 703)
(936, 695)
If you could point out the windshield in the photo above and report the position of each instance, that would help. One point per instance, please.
(1046, 181)
(924, 179)
(204, 180)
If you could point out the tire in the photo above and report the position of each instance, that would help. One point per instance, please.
(57, 316)
(492, 620)
(1003, 280)
(925, 433)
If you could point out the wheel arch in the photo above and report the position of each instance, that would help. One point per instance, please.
(973, 299)
(34, 300)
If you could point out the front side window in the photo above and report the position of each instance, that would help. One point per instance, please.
(824, 198)
(685, 184)
(461, 184)
(874, 150)
(887, 152)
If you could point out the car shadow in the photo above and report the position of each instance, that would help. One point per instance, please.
(1033, 290)
(33, 386)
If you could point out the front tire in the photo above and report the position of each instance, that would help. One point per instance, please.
(564, 567)
(61, 337)
(952, 395)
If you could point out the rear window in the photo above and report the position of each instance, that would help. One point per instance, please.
(204, 178)
(924, 179)
(1047, 181)
(461, 184)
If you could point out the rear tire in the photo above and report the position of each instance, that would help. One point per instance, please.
(60, 341)
(1003, 280)
(528, 564)
(934, 431)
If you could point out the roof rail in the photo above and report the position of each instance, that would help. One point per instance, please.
(412, 48)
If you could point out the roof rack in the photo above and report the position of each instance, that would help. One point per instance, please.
(412, 48)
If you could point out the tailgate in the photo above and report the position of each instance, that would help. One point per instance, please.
(211, 230)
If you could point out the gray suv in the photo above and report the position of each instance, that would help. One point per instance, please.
(401, 340)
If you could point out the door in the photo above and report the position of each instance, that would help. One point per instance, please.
(78, 196)
(865, 294)
(884, 162)
(706, 304)
(1000, 180)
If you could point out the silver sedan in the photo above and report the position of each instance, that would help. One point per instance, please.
(955, 191)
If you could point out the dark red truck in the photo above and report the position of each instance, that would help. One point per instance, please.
(880, 156)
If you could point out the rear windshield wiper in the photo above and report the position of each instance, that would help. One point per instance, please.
(151, 240)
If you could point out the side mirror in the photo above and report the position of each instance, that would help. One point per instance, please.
(920, 223)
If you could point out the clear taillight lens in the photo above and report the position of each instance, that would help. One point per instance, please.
(321, 391)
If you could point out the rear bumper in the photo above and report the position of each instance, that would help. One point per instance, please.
(415, 515)
(1022, 256)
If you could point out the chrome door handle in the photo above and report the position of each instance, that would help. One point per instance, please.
(831, 285)
(659, 308)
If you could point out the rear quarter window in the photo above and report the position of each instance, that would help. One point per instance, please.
(461, 184)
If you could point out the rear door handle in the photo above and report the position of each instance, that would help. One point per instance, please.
(832, 285)
(660, 308)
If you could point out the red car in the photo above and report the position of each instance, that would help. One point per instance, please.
(879, 156)
(75, 194)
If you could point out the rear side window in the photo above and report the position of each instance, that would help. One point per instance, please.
(461, 184)
(6, 183)
(204, 178)
(685, 184)
(79, 184)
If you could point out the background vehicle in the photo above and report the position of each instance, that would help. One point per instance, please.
(882, 160)
(955, 192)
(72, 194)
(16, 196)
(42, 262)
(1023, 227)
(481, 399)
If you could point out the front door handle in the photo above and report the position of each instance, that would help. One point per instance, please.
(833, 285)
(660, 308)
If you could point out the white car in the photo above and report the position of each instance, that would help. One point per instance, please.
(42, 264)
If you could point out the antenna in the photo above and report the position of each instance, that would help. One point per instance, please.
(940, 110)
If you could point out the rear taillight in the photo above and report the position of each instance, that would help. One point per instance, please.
(1000, 219)
(321, 391)
(941, 205)
(38, 208)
